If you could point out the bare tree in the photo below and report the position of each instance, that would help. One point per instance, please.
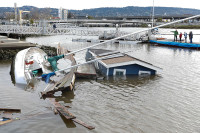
(9, 15)
(34, 14)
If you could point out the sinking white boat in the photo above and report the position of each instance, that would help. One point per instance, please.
(31, 63)
(28, 62)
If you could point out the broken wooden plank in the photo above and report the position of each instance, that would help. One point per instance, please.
(7, 115)
(61, 109)
(5, 122)
(83, 124)
(11, 110)
(64, 112)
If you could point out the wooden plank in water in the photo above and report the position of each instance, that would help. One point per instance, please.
(62, 109)
(83, 124)
(64, 112)
(10, 110)
(7, 113)
(5, 122)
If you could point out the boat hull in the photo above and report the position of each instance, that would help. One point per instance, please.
(26, 61)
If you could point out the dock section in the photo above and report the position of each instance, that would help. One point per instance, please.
(8, 43)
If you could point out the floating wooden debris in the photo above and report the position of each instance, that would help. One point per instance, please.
(62, 110)
(7, 115)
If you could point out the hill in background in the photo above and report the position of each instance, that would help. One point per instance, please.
(107, 11)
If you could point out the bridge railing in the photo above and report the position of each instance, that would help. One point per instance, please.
(48, 30)
(20, 29)
(71, 31)
(17, 29)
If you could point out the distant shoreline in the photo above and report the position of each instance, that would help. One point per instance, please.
(183, 27)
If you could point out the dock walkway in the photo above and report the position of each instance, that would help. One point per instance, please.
(176, 44)
(8, 43)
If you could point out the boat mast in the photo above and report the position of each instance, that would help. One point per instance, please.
(152, 15)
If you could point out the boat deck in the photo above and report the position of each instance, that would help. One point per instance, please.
(63, 81)
(86, 71)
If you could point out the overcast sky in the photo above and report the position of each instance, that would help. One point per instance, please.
(87, 4)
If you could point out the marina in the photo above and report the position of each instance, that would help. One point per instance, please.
(107, 103)
(61, 75)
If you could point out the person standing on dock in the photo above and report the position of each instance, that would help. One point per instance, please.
(54, 26)
(180, 36)
(190, 36)
(175, 35)
(185, 36)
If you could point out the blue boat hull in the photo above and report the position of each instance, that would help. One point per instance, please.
(176, 44)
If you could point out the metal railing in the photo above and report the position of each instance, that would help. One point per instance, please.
(48, 30)
(33, 30)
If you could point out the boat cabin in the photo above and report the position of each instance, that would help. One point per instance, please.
(119, 63)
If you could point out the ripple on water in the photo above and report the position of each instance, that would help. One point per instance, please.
(166, 103)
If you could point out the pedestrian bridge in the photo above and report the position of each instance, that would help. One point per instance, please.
(32, 30)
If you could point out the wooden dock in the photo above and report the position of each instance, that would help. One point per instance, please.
(86, 71)
(8, 43)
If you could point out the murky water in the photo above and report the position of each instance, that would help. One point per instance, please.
(165, 103)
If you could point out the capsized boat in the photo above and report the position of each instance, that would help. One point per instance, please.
(31, 63)
(28, 63)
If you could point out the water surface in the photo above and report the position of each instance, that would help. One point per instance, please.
(165, 103)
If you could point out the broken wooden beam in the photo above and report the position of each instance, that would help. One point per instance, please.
(62, 110)
(83, 124)
(7, 115)
(5, 122)
(10, 110)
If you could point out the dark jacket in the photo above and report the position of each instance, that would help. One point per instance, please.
(190, 35)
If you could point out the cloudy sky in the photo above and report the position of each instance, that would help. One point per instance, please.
(87, 4)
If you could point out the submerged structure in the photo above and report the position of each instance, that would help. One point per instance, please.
(119, 63)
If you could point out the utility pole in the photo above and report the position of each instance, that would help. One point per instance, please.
(153, 15)
(15, 6)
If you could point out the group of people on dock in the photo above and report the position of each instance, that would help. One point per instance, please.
(185, 36)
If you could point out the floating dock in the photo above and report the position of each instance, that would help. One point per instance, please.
(176, 44)
(8, 43)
